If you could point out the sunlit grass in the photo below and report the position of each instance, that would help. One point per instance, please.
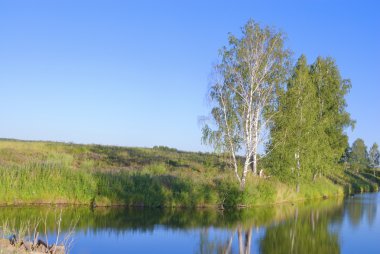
(45, 172)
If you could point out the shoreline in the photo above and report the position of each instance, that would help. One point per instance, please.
(200, 207)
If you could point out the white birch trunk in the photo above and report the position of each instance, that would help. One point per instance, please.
(245, 171)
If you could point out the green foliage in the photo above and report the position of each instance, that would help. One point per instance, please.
(333, 117)
(307, 135)
(354, 182)
(229, 192)
(374, 156)
(260, 193)
(294, 131)
(39, 182)
(251, 70)
(358, 158)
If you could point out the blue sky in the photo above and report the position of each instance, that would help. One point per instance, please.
(135, 73)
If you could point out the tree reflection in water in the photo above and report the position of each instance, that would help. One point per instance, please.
(304, 229)
(244, 241)
(360, 208)
(312, 227)
(308, 233)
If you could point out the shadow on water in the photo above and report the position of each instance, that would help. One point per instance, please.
(301, 228)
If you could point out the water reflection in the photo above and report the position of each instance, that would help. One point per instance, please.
(362, 207)
(314, 227)
(308, 233)
(244, 241)
(293, 229)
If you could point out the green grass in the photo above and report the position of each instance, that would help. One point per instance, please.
(47, 172)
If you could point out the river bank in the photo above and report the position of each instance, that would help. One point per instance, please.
(56, 173)
(7, 246)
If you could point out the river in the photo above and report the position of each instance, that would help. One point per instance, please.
(351, 225)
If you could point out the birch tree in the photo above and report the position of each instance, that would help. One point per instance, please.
(333, 117)
(295, 127)
(251, 71)
(359, 156)
(374, 157)
(308, 134)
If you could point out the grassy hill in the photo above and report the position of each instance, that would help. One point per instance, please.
(49, 172)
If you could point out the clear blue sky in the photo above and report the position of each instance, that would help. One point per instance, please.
(135, 73)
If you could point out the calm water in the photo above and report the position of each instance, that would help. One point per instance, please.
(329, 226)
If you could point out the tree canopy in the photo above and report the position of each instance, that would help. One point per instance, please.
(359, 155)
(374, 156)
(247, 80)
(303, 108)
(307, 135)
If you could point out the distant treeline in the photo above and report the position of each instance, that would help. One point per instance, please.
(359, 158)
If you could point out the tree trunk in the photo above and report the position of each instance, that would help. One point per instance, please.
(255, 141)
(254, 163)
(245, 172)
